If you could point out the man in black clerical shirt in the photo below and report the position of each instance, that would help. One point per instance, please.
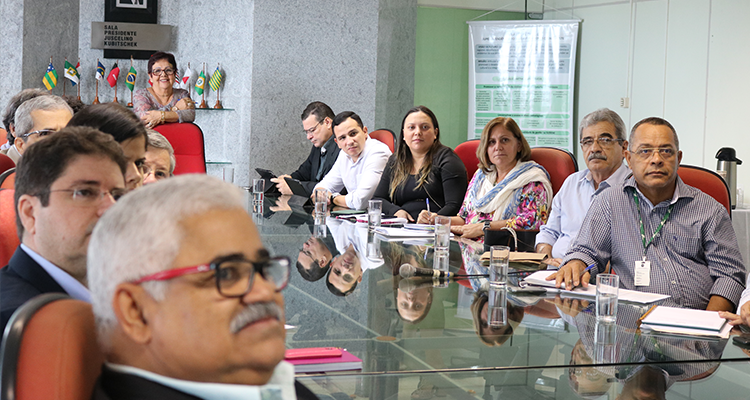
(316, 123)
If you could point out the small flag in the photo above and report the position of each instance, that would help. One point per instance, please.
(114, 73)
(71, 73)
(200, 83)
(50, 77)
(130, 79)
(186, 78)
(99, 71)
(215, 80)
(176, 83)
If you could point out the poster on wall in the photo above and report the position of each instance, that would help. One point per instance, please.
(524, 70)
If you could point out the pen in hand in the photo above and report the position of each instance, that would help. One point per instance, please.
(588, 269)
(428, 205)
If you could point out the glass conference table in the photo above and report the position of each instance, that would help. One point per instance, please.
(421, 339)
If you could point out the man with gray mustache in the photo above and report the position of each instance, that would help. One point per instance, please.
(187, 301)
(603, 145)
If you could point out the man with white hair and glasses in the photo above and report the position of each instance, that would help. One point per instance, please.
(603, 142)
(197, 311)
(39, 117)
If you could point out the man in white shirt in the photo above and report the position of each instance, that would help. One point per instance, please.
(197, 310)
(359, 165)
(603, 142)
(63, 185)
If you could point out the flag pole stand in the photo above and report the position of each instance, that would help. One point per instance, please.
(115, 100)
(218, 102)
(203, 95)
(64, 86)
(96, 99)
(130, 104)
(78, 86)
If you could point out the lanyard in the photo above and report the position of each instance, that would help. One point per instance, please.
(643, 231)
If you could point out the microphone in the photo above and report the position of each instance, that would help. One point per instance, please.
(409, 285)
(407, 271)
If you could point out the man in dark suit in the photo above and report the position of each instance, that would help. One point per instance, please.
(316, 123)
(187, 300)
(63, 185)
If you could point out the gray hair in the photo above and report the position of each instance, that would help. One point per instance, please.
(15, 101)
(23, 120)
(603, 115)
(657, 121)
(158, 141)
(141, 235)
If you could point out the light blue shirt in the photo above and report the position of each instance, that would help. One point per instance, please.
(71, 286)
(280, 386)
(569, 208)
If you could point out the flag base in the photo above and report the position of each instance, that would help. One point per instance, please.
(115, 100)
(96, 100)
(130, 104)
(218, 105)
(203, 104)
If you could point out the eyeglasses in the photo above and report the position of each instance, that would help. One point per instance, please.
(158, 173)
(312, 130)
(234, 274)
(309, 254)
(89, 196)
(648, 152)
(41, 133)
(603, 142)
(158, 72)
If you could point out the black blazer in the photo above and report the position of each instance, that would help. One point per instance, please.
(21, 280)
(307, 171)
(113, 385)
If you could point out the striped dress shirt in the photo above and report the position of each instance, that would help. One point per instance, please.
(694, 257)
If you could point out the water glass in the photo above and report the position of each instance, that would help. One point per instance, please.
(499, 260)
(259, 186)
(374, 213)
(373, 247)
(607, 294)
(227, 174)
(442, 235)
(320, 231)
(605, 342)
(497, 307)
(440, 261)
(321, 205)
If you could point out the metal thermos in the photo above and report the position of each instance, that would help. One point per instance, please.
(726, 166)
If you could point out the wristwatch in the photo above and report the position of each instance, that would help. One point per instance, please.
(486, 225)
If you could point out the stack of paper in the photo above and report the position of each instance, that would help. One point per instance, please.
(539, 278)
(403, 233)
(344, 362)
(685, 321)
(516, 256)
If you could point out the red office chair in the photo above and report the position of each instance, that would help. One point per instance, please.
(6, 163)
(467, 152)
(8, 233)
(3, 136)
(707, 181)
(50, 351)
(187, 140)
(8, 179)
(386, 136)
(559, 164)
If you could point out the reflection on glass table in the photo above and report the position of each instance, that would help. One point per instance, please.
(346, 292)
(697, 380)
